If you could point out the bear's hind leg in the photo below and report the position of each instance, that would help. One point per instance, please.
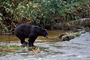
(23, 42)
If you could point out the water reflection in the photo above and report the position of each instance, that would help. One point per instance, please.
(8, 38)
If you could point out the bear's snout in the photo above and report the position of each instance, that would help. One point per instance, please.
(46, 36)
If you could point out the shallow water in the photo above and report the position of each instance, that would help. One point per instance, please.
(13, 38)
(75, 49)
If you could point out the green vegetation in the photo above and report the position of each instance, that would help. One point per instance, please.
(7, 49)
(45, 13)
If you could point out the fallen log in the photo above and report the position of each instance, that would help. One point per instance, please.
(67, 36)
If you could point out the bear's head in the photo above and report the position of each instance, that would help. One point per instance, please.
(45, 33)
(41, 31)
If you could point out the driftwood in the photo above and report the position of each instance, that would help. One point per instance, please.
(67, 36)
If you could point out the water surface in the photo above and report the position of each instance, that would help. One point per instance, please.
(75, 49)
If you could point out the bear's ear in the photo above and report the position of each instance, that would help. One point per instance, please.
(36, 27)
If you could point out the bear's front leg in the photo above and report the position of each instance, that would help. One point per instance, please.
(32, 40)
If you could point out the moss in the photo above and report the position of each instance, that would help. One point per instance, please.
(11, 46)
(14, 48)
(67, 37)
(7, 49)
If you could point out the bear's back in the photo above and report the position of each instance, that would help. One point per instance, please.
(23, 29)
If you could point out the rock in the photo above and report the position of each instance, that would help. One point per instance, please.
(35, 51)
(67, 37)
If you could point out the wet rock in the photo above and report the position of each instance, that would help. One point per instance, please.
(35, 51)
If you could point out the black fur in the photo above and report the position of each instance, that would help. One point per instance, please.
(29, 31)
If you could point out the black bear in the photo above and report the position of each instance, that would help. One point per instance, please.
(29, 31)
